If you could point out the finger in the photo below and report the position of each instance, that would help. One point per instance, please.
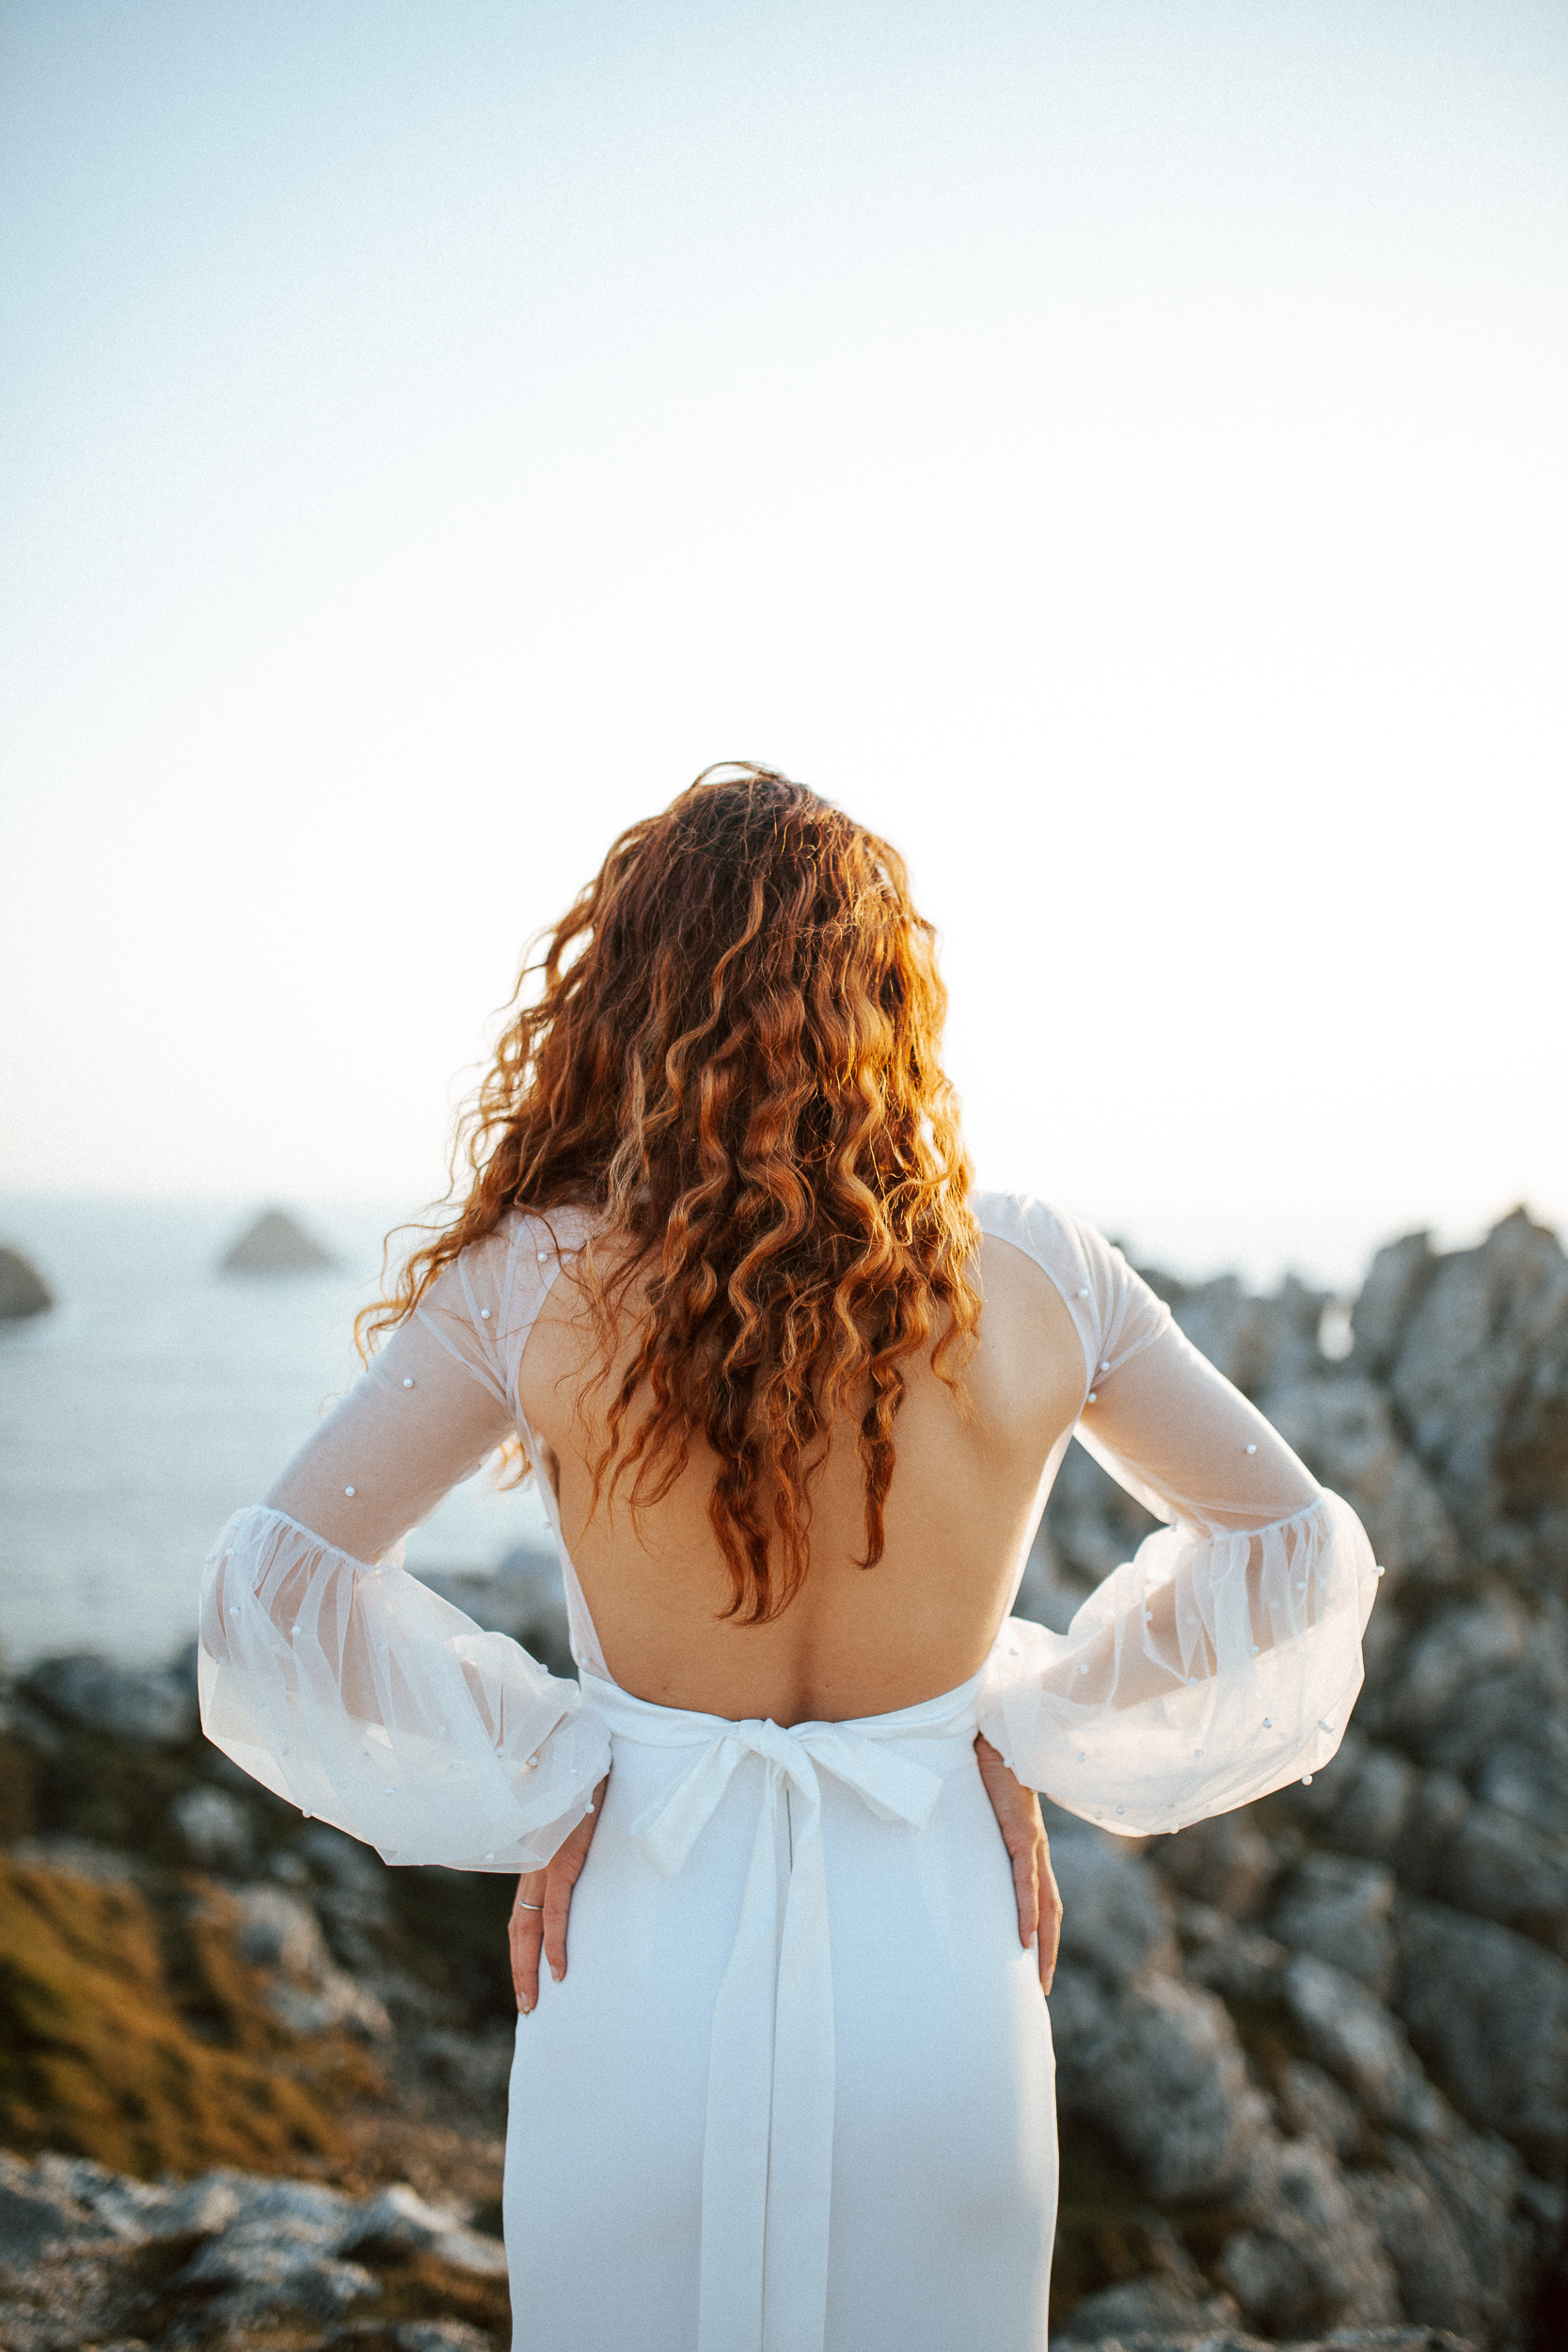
(525, 1935)
(562, 1875)
(1051, 1916)
(1027, 1888)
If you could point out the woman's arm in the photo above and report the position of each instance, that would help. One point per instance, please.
(350, 1688)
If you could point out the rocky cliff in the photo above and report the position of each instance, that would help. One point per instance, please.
(1313, 2058)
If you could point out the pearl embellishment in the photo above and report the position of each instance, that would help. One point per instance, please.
(1252, 1449)
(408, 1384)
(489, 1857)
(542, 1255)
(1105, 1367)
(349, 1491)
(1083, 1293)
(1093, 1397)
(485, 1314)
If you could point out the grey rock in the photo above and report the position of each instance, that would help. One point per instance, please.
(146, 1708)
(1159, 2067)
(1262, 1344)
(280, 1932)
(1459, 1646)
(1505, 1869)
(276, 1244)
(1116, 1915)
(1447, 2213)
(35, 2217)
(412, 2335)
(1340, 1909)
(1311, 2106)
(22, 1289)
(213, 1826)
(1488, 2011)
(1093, 1523)
(1355, 2039)
(251, 2276)
(1482, 1375)
(1226, 1862)
(1369, 1816)
(1141, 2306)
(399, 2217)
(1395, 1285)
(1308, 2258)
(1344, 1431)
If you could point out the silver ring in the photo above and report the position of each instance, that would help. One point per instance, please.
(528, 1906)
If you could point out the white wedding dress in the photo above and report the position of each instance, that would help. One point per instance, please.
(796, 2092)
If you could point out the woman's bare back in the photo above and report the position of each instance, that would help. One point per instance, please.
(854, 1640)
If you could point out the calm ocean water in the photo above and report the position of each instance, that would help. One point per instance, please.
(157, 1397)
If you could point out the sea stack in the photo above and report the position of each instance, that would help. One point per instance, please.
(23, 1288)
(276, 1244)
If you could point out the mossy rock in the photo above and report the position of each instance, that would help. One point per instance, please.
(137, 2037)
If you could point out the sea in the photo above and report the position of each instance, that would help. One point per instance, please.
(158, 1395)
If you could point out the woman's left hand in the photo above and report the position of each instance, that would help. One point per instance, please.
(1018, 1817)
(541, 1906)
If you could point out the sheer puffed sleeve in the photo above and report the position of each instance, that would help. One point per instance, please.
(342, 1683)
(1223, 1659)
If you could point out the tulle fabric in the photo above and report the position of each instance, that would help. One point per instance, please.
(359, 1695)
(1207, 1671)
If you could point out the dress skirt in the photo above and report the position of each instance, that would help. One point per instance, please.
(796, 2092)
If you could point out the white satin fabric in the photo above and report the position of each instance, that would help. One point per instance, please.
(786, 2139)
(799, 2054)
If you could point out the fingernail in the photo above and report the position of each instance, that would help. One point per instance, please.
(527, 2008)
(1033, 1941)
(558, 1974)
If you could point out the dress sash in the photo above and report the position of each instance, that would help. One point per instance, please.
(768, 2142)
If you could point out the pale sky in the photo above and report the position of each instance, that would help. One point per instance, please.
(1116, 450)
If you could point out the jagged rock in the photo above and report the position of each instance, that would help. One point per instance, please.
(1225, 1862)
(213, 1826)
(1308, 2258)
(1353, 2038)
(1260, 1344)
(1396, 1282)
(1448, 2215)
(400, 2218)
(1339, 1910)
(38, 2216)
(1344, 1432)
(1489, 2013)
(1481, 1378)
(1367, 1815)
(1312, 2105)
(152, 1706)
(1141, 2306)
(1116, 1915)
(1160, 2068)
(1092, 1523)
(276, 1244)
(22, 1289)
(279, 1931)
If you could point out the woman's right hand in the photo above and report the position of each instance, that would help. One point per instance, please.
(1018, 1817)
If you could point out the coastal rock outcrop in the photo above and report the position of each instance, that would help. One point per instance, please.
(1312, 2057)
(276, 1244)
(22, 1289)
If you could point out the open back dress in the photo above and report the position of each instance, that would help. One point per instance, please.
(796, 2092)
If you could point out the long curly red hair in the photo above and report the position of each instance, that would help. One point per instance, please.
(732, 1057)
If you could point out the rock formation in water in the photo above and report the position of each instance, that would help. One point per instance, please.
(23, 1288)
(276, 1244)
(1313, 2056)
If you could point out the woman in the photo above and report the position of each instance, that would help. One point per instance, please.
(795, 1398)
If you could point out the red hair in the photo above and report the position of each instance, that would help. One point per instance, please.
(733, 1059)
